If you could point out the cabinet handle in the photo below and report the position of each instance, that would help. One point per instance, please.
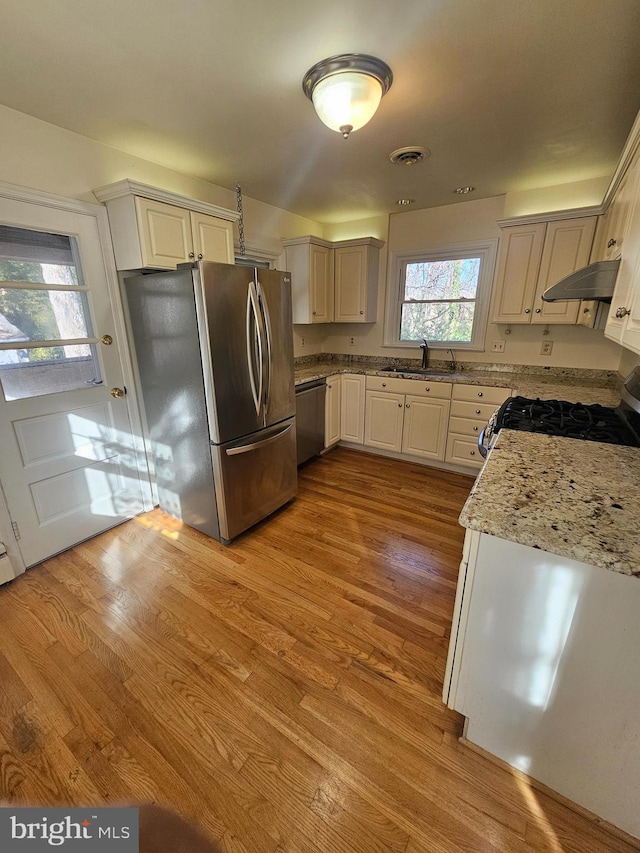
(477, 411)
(191, 255)
(200, 256)
(480, 394)
(527, 310)
(622, 312)
(538, 310)
(611, 242)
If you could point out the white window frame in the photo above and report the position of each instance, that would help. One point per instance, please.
(486, 250)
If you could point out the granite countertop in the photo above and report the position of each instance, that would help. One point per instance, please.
(576, 386)
(577, 499)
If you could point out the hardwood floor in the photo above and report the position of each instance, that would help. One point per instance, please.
(282, 692)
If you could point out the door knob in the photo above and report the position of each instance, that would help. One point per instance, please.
(117, 392)
(107, 340)
(622, 312)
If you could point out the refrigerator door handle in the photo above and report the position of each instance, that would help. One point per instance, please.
(267, 327)
(252, 340)
(245, 448)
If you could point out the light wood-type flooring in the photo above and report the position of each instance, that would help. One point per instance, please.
(283, 692)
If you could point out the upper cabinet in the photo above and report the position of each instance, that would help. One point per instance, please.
(151, 228)
(531, 258)
(333, 282)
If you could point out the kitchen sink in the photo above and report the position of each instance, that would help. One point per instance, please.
(410, 371)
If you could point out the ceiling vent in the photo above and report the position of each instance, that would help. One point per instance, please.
(409, 156)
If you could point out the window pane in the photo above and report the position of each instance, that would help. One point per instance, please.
(437, 321)
(47, 370)
(42, 315)
(22, 246)
(446, 279)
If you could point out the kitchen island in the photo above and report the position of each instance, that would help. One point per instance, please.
(543, 652)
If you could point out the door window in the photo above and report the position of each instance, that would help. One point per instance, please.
(47, 343)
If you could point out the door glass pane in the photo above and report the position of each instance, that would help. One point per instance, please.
(47, 370)
(42, 315)
(37, 256)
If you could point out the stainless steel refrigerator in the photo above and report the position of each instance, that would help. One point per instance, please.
(214, 354)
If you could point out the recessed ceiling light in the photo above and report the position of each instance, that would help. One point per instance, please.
(403, 202)
(464, 190)
(410, 155)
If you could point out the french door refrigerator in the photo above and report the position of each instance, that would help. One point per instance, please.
(214, 355)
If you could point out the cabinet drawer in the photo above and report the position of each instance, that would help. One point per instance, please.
(463, 451)
(476, 411)
(481, 394)
(415, 387)
(467, 426)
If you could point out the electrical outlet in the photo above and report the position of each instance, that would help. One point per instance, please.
(352, 342)
(301, 342)
(497, 346)
(546, 347)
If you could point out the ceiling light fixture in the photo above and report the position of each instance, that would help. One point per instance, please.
(347, 89)
(403, 202)
(464, 190)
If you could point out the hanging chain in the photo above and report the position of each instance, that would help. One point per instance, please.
(241, 220)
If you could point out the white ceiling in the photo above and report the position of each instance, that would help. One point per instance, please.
(507, 94)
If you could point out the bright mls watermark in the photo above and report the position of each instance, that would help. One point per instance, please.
(33, 830)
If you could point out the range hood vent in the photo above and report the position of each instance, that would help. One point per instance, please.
(593, 282)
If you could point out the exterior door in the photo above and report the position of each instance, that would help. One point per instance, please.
(70, 463)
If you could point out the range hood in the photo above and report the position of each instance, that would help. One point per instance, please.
(593, 282)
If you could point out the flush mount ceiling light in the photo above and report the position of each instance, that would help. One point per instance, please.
(404, 202)
(464, 190)
(409, 156)
(347, 89)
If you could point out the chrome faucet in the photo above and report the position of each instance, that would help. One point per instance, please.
(424, 346)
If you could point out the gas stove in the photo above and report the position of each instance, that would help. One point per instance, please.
(619, 425)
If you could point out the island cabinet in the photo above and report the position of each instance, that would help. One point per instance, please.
(471, 408)
(532, 257)
(154, 229)
(407, 416)
(332, 411)
(333, 282)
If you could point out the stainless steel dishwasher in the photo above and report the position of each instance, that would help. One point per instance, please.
(310, 400)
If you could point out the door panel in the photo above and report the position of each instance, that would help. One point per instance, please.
(70, 464)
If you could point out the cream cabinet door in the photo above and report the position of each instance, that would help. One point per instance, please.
(627, 285)
(567, 247)
(425, 427)
(321, 284)
(165, 234)
(517, 274)
(352, 406)
(332, 411)
(384, 416)
(212, 238)
(350, 266)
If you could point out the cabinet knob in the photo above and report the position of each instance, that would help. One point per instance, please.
(200, 256)
(480, 394)
(427, 388)
(472, 453)
(407, 405)
(191, 255)
(362, 312)
(611, 242)
(384, 384)
(538, 310)
(527, 310)
(622, 312)
(314, 313)
(475, 429)
(477, 411)
(399, 405)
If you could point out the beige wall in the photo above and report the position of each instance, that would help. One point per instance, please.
(41, 156)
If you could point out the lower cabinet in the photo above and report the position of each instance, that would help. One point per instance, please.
(352, 407)
(332, 411)
(471, 408)
(414, 423)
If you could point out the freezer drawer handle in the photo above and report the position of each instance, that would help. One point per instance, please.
(234, 451)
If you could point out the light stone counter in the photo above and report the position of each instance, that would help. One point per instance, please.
(577, 499)
(575, 386)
